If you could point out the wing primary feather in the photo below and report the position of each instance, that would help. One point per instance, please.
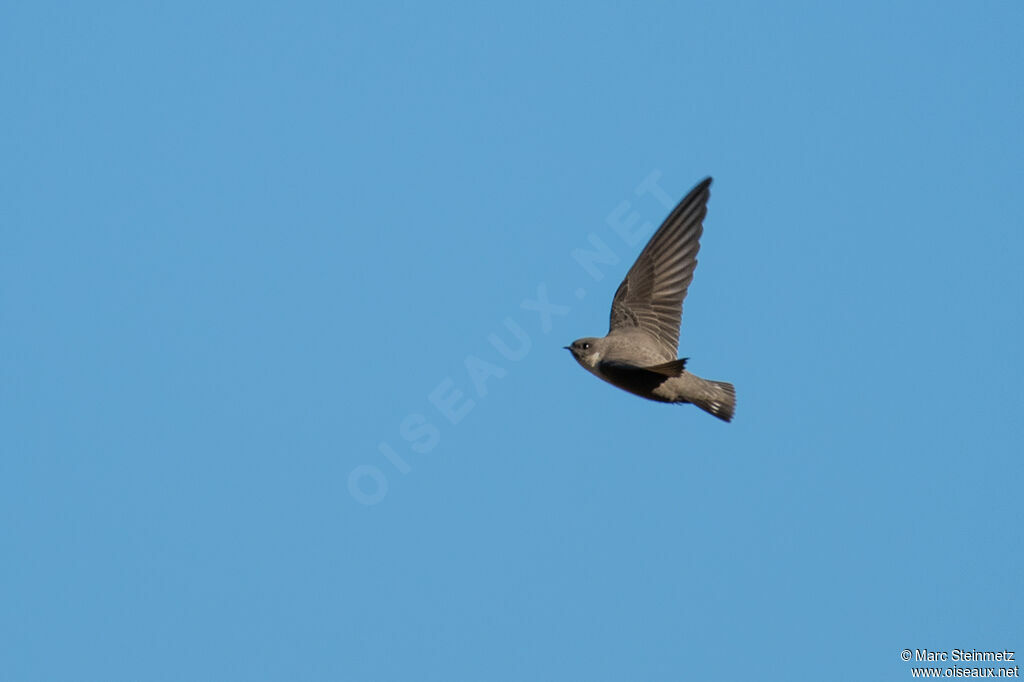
(652, 293)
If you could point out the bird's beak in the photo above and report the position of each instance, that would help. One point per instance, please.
(567, 347)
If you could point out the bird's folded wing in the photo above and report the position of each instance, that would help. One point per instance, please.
(651, 296)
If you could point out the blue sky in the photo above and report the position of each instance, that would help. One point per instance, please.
(243, 246)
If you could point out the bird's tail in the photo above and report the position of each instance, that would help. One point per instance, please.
(717, 398)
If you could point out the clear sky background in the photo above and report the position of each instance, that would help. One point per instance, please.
(244, 244)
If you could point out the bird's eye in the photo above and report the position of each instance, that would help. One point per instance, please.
(586, 346)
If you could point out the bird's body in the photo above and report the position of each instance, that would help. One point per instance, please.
(639, 352)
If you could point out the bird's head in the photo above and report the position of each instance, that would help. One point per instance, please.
(586, 351)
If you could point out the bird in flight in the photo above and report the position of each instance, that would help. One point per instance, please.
(639, 352)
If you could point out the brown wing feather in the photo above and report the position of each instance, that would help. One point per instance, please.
(651, 296)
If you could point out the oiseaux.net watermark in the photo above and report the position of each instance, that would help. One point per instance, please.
(961, 663)
(451, 400)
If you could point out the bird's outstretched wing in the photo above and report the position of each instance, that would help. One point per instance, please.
(651, 296)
